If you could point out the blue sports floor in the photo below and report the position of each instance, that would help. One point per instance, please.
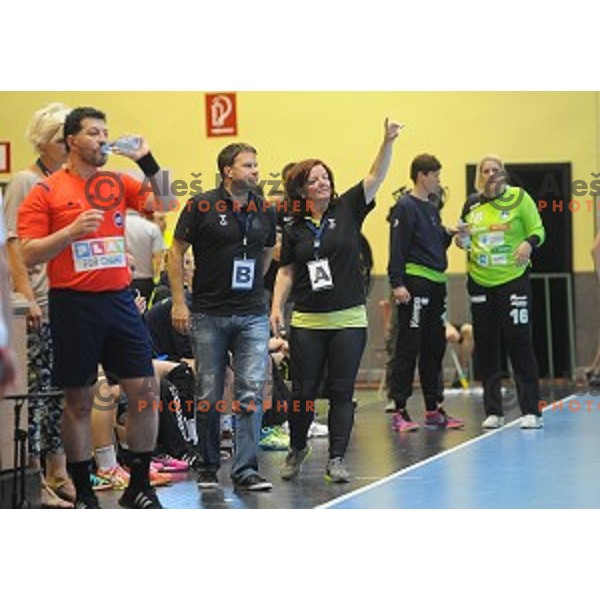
(554, 467)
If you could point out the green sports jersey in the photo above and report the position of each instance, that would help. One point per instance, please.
(497, 228)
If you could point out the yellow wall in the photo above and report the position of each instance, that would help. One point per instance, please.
(344, 129)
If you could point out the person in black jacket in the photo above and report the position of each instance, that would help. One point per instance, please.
(416, 270)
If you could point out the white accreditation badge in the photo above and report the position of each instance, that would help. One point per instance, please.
(242, 277)
(320, 275)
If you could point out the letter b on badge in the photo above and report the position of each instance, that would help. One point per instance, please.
(242, 277)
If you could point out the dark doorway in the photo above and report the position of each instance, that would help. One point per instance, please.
(549, 184)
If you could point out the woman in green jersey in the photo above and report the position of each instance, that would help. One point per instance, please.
(504, 229)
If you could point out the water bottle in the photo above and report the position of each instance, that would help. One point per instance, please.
(124, 144)
(464, 235)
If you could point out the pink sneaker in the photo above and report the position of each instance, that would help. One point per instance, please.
(402, 422)
(168, 464)
(439, 419)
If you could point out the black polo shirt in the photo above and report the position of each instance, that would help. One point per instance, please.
(340, 244)
(215, 231)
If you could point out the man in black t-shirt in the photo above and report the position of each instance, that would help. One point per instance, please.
(232, 234)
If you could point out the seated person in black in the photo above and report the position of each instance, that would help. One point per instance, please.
(167, 342)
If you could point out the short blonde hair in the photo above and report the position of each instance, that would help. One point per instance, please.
(494, 158)
(47, 124)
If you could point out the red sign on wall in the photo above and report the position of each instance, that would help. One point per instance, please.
(4, 157)
(221, 115)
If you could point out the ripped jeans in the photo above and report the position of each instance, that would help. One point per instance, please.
(246, 337)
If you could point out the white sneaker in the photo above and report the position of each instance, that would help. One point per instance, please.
(493, 422)
(317, 430)
(531, 422)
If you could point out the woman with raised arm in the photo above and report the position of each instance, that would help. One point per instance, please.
(320, 264)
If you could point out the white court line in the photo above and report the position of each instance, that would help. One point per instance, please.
(418, 465)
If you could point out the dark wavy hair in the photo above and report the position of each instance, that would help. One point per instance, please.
(296, 180)
(73, 121)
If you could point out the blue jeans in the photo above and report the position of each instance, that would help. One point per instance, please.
(247, 338)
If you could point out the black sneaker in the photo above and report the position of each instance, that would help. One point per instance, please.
(207, 480)
(254, 483)
(90, 501)
(594, 381)
(191, 459)
(139, 499)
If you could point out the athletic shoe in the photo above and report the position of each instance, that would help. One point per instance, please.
(117, 476)
(273, 438)
(253, 483)
(317, 430)
(99, 483)
(158, 479)
(207, 480)
(594, 381)
(168, 464)
(336, 472)
(87, 502)
(293, 462)
(192, 459)
(390, 407)
(439, 419)
(531, 422)
(141, 499)
(402, 422)
(493, 422)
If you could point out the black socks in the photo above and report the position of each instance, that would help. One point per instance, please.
(139, 463)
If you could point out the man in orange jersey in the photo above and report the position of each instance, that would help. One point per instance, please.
(74, 220)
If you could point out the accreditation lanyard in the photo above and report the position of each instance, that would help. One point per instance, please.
(43, 168)
(242, 274)
(318, 233)
(319, 271)
(244, 220)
